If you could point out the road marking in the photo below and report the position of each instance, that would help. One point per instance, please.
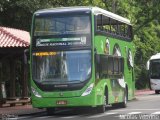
(156, 113)
(23, 117)
(44, 117)
(101, 115)
(134, 109)
(69, 117)
(132, 113)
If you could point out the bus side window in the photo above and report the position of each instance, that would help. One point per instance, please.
(110, 66)
(121, 66)
(110, 63)
(104, 67)
(99, 23)
(121, 29)
(113, 26)
(130, 32)
(116, 65)
(106, 23)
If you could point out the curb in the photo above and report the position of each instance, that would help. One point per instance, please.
(19, 111)
(144, 92)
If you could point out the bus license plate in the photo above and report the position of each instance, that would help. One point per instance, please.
(61, 102)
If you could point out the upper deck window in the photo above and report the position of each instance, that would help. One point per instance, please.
(61, 24)
(113, 27)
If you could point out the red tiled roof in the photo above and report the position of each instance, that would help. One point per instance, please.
(10, 37)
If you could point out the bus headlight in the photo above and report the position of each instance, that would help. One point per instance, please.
(88, 90)
(34, 91)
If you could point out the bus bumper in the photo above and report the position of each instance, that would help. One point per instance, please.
(81, 101)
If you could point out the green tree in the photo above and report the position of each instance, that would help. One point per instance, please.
(146, 30)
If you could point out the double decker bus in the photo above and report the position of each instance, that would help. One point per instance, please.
(153, 67)
(81, 57)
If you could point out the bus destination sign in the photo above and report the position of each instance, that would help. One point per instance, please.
(75, 41)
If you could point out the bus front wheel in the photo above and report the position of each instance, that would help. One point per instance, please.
(102, 108)
(124, 103)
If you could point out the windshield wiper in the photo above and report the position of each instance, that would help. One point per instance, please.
(74, 81)
(62, 82)
(49, 81)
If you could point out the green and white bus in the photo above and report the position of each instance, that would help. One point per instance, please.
(81, 57)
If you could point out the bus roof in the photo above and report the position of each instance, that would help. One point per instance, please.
(153, 57)
(156, 56)
(95, 11)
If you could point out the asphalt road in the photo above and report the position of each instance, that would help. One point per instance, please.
(144, 107)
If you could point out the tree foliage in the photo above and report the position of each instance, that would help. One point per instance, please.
(144, 15)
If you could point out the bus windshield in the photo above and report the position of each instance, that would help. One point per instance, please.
(61, 67)
(155, 69)
(59, 25)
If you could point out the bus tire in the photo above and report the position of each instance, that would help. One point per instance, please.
(102, 108)
(50, 111)
(157, 91)
(124, 104)
(125, 99)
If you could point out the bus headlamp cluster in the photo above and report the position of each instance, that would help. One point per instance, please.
(35, 92)
(88, 90)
